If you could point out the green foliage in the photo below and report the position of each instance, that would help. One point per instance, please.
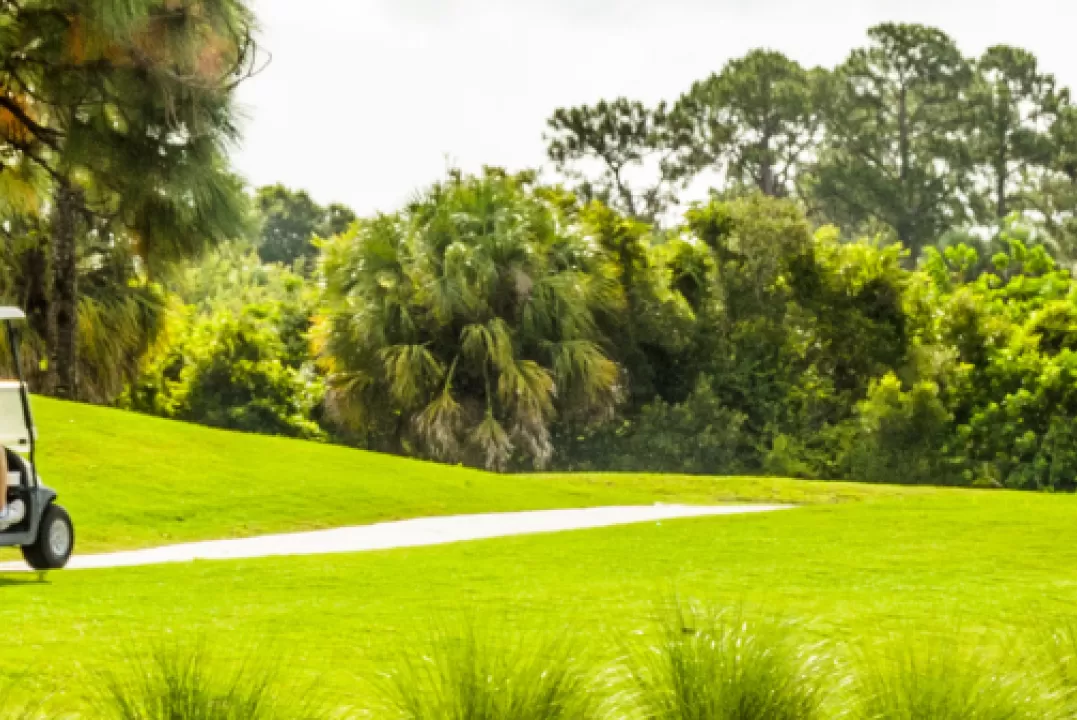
(178, 681)
(502, 324)
(230, 371)
(291, 221)
(903, 435)
(664, 282)
(1001, 347)
(1014, 106)
(812, 357)
(625, 139)
(464, 325)
(893, 152)
(237, 356)
(907, 139)
(117, 329)
(116, 117)
(121, 315)
(473, 672)
(718, 666)
(940, 678)
(695, 436)
(755, 122)
(771, 337)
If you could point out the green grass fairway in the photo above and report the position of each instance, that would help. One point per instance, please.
(136, 481)
(854, 563)
(845, 572)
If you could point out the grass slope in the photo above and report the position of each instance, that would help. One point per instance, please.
(844, 572)
(135, 481)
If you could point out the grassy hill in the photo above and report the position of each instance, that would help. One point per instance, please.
(995, 565)
(136, 481)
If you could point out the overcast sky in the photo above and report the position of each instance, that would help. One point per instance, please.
(364, 101)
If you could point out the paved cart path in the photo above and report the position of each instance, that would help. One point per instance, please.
(404, 533)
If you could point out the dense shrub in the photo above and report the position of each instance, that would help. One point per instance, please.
(236, 354)
(988, 397)
(696, 436)
(903, 435)
(231, 371)
(828, 360)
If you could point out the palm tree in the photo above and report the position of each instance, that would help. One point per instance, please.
(463, 325)
(125, 107)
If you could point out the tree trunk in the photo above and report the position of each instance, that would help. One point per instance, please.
(36, 298)
(768, 180)
(1001, 171)
(903, 156)
(905, 222)
(63, 310)
(35, 302)
(766, 171)
(626, 195)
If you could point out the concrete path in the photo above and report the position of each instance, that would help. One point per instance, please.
(404, 533)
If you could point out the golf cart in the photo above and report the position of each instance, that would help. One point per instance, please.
(45, 533)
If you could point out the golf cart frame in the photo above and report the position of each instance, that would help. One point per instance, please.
(45, 534)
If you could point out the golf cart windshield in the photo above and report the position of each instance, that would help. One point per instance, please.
(16, 422)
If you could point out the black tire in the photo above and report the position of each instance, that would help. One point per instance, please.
(55, 541)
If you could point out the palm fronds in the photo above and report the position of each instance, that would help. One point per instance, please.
(477, 274)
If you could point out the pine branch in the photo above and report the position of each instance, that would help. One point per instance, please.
(48, 136)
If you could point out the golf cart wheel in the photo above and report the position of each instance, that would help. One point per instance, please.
(55, 541)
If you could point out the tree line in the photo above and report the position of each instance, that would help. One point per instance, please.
(877, 286)
(507, 324)
(907, 138)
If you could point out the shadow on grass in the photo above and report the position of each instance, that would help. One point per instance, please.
(24, 579)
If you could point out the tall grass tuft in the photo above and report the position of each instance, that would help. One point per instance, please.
(1060, 654)
(474, 672)
(942, 680)
(709, 665)
(185, 682)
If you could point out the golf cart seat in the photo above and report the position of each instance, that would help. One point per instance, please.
(16, 472)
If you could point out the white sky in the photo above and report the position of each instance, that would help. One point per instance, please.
(365, 101)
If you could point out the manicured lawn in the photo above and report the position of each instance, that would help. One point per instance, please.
(136, 481)
(855, 563)
(842, 572)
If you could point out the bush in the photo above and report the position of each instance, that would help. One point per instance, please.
(230, 371)
(910, 680)
(184, 682)
(481, 673)
(697, 436)
(714, 666)
(904, 436)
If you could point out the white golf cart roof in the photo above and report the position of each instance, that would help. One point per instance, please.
(11, 313)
